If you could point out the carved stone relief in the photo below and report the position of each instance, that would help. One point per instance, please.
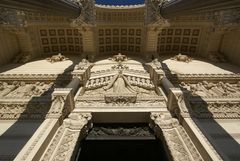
(216, 110)
(22, 90)
(182, 58)
(180, 146)
(84, 64)
(120, 131)
(211, 90)
(63, 144)
(57, 58)
(14, 111)
(119, 58)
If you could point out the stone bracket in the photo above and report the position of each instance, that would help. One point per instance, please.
(62, 103)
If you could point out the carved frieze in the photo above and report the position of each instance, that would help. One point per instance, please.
(22, 90)
(144, 131)
(216, 110)
(213, 90)
(141, 82)
(30, 78)
(13, 111)
(195, 78)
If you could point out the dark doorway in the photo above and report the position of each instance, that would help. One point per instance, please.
(122, 150)
(121, 142)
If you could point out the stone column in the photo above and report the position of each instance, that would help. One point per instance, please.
(62, 105)
(178, 105)
(65, 142)
(178, 144)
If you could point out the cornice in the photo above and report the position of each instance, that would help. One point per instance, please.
(120, 6)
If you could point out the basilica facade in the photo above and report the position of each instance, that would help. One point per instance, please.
(73, 71)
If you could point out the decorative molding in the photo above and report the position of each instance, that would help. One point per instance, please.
(53, 145)
(216, 110)
(206, 89)
(164, 120)
(62, 103)
(36, 77)
(34, 143)
(63, 144)
(194, 78)
(179, 144)
(16, 111)
(135, 131)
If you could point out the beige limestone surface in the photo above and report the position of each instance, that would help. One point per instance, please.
(199, 67)
(40, 67)
(224, 134)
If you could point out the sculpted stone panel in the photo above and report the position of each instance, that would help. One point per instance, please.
(180, 146)
(64, 142)
(22, 90)
(127, 131)
(209, 89)
(216, 110)
(14, 111)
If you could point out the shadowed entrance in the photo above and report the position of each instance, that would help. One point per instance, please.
(121, 142)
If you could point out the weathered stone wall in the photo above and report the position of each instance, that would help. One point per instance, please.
(231, 46)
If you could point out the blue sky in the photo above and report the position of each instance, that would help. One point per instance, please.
(119, 2)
